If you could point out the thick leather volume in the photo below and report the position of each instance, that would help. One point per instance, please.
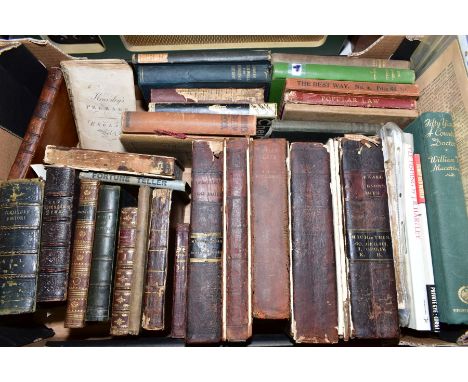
(20, 231)
(108, 161)
(139, 260)
(314, 297)
(269, 229)
(154, 297)
(447, 219)
(60, 199)
(167, 123)
(81, 254)
(237, 278)
(179, 297)
(374, 307)
(51, 123)
(204, 285)
(124, 271)
(102, 262)
(207, 95)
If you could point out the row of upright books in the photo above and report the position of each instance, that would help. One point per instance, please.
(308, 208)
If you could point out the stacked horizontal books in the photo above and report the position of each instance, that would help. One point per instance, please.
(342, 89)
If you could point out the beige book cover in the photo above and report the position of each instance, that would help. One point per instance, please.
(100, 91)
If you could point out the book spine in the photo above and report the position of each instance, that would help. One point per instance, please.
(36, 125)
(343, 73)
(139, 260)
(102, 262)
(207, 95)
(213, 56)
(188, 123)
(60, 197)
(204, 284)
(238, 322)
(262, 110)
(314, 301)
(123, 272)
(105, 177)
(127, 163)
(154, 297)
(179, 298)
(81, 254)
(429, 271)
(269, 229)
(348, 100)
(20, 231)
(446, 213)
(159, 76)
(353, 87)
(374, 305)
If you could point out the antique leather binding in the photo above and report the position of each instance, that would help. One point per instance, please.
(237, 278)
(154, 297)
(139, 260)
(123, 272)
(20, 231)
(269, 229)
(207, 95)
(60, 199)
(204, 294)
(179, 297)
(51, 123)
(167, 123)
(102, 262)
(374, 305)
(81, 255)
(314, 297)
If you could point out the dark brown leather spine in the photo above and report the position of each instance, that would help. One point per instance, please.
(179, 298)
(81, 254)
(154, 297)
(369, 246)
(60, 197)
(124, 271)
(269, 229)
(204, 294)
(314, 304)
(36, 124)
(238, 321)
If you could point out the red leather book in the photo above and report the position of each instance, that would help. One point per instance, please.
(179, 298)
(237, 273)
(348, 100)
(374, 307)
(269, 229)
(204, 284)
(314, 302)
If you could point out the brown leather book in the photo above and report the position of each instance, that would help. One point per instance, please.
(58, 217)
(51, 123)
(269, 229)
(166, 123)
(81, 254)
(238, 324)
(374, 308)
(124, 271)
(179, 297)
(108, 161)
(204, 294)
(204, 95)
(154, 297)
(139, 260)
(314, 299)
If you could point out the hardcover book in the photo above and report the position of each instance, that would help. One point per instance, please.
(208, 95)
(20, 234)
(434, 140)
(100, 91)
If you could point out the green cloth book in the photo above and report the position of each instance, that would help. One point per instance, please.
(446, 213)
(282, 70)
